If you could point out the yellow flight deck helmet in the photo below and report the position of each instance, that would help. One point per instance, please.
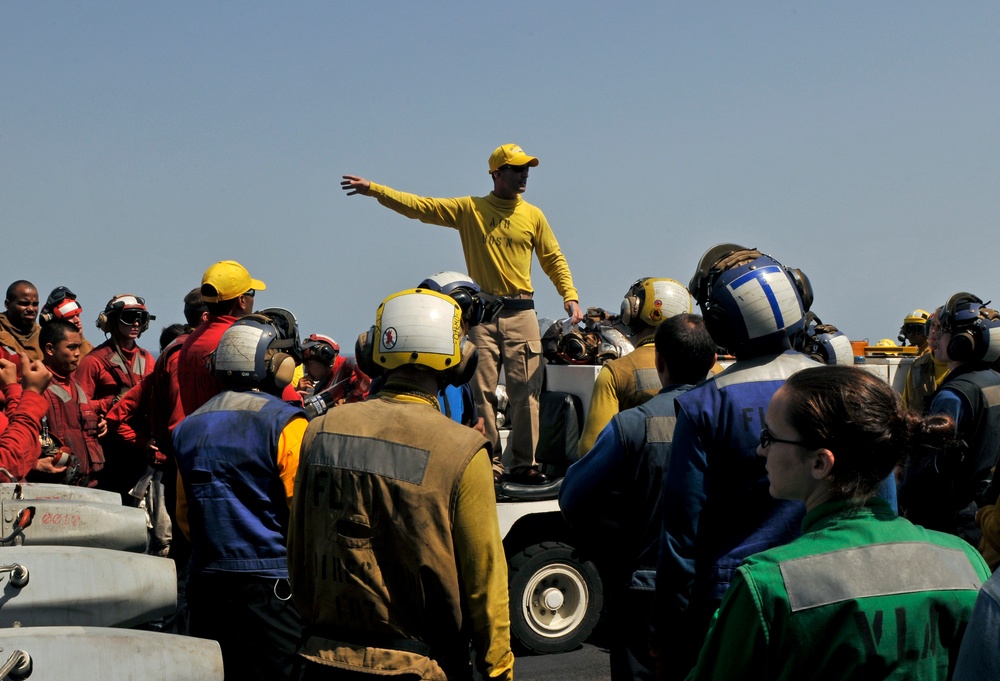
(418, 327)
(914, 324)
(650, 300)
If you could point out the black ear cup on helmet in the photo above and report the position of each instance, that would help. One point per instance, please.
(321, 352)
(464, 299)
(961, 319)
(719, 326)
(288, 330)
(364, 354)
(962, 346)
(326, 354)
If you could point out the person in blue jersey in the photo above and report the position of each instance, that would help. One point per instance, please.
(716, 507)
(237, 456)
(612, 495)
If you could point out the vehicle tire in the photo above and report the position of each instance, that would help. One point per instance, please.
(555, 598)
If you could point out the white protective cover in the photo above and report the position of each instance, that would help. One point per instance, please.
(428, 324)
(767, 299)
(670, 296)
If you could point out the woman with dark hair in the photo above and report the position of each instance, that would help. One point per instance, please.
(863, 593)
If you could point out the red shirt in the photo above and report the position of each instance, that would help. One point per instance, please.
(104, 377)
(196, 383)
(74, 422)
(10, 354)
(19, 446)
(346, 382)
(152, 408)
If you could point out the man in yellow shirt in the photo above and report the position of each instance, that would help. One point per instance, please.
(499, 233)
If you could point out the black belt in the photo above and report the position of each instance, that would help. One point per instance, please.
(517, 303)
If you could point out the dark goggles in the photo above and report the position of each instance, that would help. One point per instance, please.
(59, 294)
(132, 316)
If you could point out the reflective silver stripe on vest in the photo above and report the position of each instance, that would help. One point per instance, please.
(233, 401)
(138, 367)
(991, 396)
(766, 368)
(117, 361)
(660, 428)
(59, 392)
(646, 379)
(370, 455)
(875, 570)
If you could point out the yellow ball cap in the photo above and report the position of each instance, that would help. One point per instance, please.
(226, 280)
(510, 155)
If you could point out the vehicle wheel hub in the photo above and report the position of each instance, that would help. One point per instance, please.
(553, 599)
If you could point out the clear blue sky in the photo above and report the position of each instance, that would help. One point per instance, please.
(140, 142)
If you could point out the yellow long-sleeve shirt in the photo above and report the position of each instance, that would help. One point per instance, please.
(498, 237)
(611, 395)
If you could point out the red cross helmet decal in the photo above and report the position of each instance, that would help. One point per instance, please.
(389, 338)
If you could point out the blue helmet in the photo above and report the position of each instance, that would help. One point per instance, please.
(751, 303)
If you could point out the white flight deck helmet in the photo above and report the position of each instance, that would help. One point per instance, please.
(751, 303)
(419, 327)
(255, 353)
(124, 307)
(650, 300)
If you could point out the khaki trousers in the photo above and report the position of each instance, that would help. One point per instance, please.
(512, 341)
